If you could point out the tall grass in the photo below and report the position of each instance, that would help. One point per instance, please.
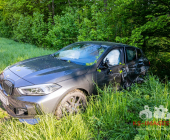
(109, 115)
(12, 52)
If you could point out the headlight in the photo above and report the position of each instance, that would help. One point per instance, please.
(39, 89)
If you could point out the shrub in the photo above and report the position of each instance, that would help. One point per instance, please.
(39, 29)
(64, 31)
(22, 28)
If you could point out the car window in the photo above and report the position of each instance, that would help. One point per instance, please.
(81, 53)
(139, 54)
(130, 54)
(113, 57)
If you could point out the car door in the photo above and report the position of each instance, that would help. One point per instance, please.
(139, 62)
(111, 74)
(131, 63)
(142, 63)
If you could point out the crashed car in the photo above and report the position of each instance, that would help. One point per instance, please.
(60, 82)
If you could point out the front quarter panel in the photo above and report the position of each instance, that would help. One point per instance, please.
(79, 82)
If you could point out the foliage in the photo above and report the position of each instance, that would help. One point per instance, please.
(5, 30)
(21, 28)
(160, 64)
(151, 21)
(64, 31)
(55, 24)
(93, 23)
(39, 29)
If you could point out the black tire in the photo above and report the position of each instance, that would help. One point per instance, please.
(73, 102)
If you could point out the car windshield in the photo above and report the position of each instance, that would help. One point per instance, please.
(80, 53)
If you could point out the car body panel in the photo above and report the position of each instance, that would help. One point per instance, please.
(47, 70)
(113, 74)
(16, 80)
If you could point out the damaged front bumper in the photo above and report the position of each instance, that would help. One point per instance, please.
(17, 108)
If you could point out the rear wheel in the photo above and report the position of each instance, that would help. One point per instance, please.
(73, 102)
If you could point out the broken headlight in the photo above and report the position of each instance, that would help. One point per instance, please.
(39, 89)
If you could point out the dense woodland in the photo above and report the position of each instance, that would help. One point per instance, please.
(55, 24)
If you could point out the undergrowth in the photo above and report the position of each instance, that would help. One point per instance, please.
(109, 115)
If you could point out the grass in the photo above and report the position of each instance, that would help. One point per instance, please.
(12, 52)
(109, 115)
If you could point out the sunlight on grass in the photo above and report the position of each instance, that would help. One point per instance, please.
(12, 52)
(108, 115)
(2, 114)
(48, 128)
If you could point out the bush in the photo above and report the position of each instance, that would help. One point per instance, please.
(39, 29)
(64, 31)
(22, 28)
(5, 29)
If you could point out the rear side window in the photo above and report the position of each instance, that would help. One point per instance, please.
(139, 54)
(130, 54)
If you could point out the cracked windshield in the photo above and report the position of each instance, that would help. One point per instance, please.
(83, 54)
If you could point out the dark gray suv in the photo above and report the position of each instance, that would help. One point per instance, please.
(60, 82)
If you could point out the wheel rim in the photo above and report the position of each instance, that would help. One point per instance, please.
(73, 105)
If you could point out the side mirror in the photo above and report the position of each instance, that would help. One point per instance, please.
(104, 65)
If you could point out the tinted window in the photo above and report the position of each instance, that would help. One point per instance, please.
(130, 54)
(139, 54)
(113, 57)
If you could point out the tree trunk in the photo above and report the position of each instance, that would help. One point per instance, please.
(69, 2)
(49, 8)
(53, 12)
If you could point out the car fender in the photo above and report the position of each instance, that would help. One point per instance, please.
(80, 82)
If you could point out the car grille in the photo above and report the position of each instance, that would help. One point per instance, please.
(7, 86)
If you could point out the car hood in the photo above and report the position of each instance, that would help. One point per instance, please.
(47, 69)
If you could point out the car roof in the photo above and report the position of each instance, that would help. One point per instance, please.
(100, 43)
(109, 44)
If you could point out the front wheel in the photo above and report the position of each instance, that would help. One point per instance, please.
(73, 102)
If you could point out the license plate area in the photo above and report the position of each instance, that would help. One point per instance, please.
(3, 98)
